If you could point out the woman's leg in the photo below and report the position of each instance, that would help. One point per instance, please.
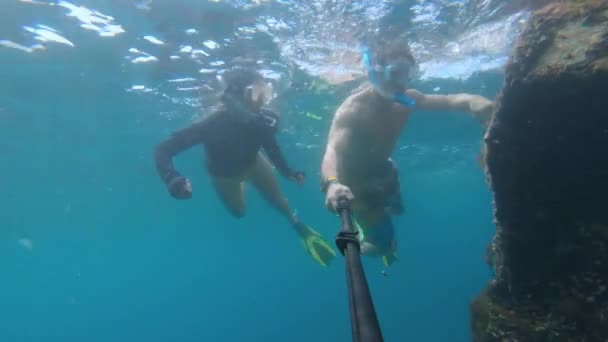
(264, 180)
(232, 193)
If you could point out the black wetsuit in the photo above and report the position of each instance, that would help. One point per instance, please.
(231, 146)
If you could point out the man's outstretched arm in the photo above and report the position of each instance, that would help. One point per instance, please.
(475, 104)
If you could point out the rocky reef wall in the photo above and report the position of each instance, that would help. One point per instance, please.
(546, 160)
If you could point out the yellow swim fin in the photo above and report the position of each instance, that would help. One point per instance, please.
(316, 246)
(389, 259)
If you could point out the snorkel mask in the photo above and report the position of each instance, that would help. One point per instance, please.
(260, 93)
(248, 107)
(395, 73)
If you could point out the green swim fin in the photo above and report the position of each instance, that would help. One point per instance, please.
(316, 246)
(389, 259)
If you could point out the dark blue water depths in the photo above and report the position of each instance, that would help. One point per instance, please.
(93, 249)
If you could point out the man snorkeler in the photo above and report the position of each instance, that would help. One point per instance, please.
(233, 138)
(363, 134)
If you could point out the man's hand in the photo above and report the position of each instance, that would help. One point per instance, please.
(335, 192)
(297, 177)
(481, 107)
(180, 188)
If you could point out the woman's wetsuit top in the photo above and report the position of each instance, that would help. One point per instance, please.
(230, 145)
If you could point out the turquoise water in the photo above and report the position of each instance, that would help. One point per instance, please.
(92, 248)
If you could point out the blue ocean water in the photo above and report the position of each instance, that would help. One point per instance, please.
(92, 248)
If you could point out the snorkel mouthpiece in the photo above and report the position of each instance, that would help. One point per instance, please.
(404, 100)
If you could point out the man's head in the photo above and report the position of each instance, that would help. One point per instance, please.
(390, 64)
(246, 87)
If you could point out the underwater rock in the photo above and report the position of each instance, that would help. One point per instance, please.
(546, 160)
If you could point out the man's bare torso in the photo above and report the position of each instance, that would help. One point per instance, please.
(374, 126)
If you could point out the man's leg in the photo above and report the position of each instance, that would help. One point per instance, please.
(232, 193)
(366, 213)
(384, 197)
(394, 201)
(373, 210)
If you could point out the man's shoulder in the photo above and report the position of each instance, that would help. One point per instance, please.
(355, 101)
(361, 94)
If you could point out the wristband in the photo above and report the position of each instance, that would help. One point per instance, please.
(325, 183)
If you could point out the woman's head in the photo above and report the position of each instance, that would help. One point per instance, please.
(247, 87)
(238, 78)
